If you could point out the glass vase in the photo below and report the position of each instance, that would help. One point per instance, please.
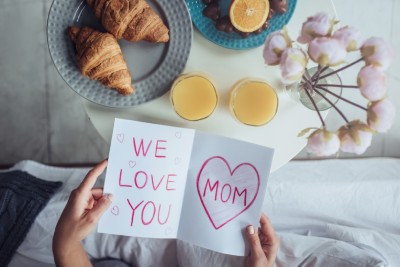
(313, 97)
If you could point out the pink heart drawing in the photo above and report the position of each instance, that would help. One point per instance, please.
(178, 135)
(226, 193)
(115, 210)
(120, 137)
(132, 163)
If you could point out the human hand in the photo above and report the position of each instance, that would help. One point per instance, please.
(80, 216)
(263, 246)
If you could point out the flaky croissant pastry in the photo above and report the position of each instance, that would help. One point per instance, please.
(133, 20)
(100, 58)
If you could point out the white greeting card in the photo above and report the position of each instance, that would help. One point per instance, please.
(171, 182)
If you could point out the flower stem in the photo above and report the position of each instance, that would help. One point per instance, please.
(308, 82)
(317, 74)
(333, 105)
(338, 70)
(341, 98)
(322, 71)
(338, 85)
(315, 106)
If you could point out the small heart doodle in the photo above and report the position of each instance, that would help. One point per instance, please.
(132, 163)
(115, 210)
(178, 160)
(178, 135)
(120, 137)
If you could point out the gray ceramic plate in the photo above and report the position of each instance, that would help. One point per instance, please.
(153, 66)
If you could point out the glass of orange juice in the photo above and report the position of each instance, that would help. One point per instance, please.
(253, 101)
(194, 96)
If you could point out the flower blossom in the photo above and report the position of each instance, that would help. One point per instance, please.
(323, 143)
(380, 115)
(376, 51)
(349, 37)
(327, 51)
(293, 64)
(329, 48)
(372, 83)
(316, 26)
(355, 137)
(275, 44)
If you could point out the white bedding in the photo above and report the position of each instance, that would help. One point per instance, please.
(327, 213)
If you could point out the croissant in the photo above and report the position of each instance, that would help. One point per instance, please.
(100, 58)
(132, 20)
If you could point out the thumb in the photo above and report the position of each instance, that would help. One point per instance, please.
(254, 241)
(101, 206)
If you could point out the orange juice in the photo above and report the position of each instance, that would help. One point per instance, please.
(253, 102)
(193, 96)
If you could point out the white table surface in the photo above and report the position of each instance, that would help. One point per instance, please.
(226, 67)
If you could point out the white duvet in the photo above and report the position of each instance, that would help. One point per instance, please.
(327, 213)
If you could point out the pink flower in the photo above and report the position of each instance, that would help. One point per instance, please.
(293, 63)
(275, 44)
(355, 137)
(376, 51)
(323, 143)
(316, 26)
(349, 37)
(372, 83)
(327, 51)
(381, 115)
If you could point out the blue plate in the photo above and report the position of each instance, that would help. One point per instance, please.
(234, 40)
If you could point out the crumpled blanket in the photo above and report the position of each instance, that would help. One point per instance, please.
(22, 197)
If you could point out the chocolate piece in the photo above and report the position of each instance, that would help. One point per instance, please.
(243, 34)
(262, 28)
(224, 24)
(270, 14)
(279, 6)
(212, 11)
(207, 2)
(265, 25)
(258, 31)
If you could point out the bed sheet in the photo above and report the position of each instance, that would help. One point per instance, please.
(322, 210)
(356, 201)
